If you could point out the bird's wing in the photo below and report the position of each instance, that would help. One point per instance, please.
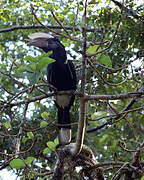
(49, 74)
(72, 73)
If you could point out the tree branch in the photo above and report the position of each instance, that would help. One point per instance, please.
(82, 114)
(69, 28)
(114, 97)
(86, 98)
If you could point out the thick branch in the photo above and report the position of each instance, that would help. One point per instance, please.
(82, 115)
(87, 97)
(114, 97)
(70, 28)
(81, 127)
(125, 110)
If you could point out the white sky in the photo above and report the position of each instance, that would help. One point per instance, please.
(8, 175)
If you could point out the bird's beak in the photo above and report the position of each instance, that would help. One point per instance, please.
(38, 42)
(27, 40)
(38, 39)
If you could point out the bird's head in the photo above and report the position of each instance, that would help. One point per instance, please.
(44, 41)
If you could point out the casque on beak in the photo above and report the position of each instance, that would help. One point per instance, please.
(39, 40)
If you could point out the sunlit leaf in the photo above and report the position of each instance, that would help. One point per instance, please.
(2, 50)
(46, 151)
(92, 49)
(105, 60)
(51, 145)
(30, 135)
(44, 115)
(24, 139)
(43, 124)
(56, 141)
(29, 160)
(49, 6)
(7, 124)
(17, 163)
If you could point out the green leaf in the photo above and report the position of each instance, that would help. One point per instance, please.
(44, 115)
(22, 69)
(49, 7)
(31, 59)
(46, 151)
(7, 124)
(17, 163)
(142, 178)
(33, 77)
(103, 59)
(43, 124)
(24, 139)
(43, 62)
(2, 50)
(104, 138)
(51, 145)
(29, 160)
(30, 135)
(92, 49)
(56, 141)
(31, 175)
(33, 66)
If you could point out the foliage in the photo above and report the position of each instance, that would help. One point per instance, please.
(28, 133)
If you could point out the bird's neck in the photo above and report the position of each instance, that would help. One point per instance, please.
(59, 55)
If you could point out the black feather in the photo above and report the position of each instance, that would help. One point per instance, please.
(61, 74)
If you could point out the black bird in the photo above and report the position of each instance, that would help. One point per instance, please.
(61, 74)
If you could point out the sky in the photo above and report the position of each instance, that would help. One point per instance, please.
(8, 175)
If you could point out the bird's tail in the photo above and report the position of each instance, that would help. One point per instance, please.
(64, 125)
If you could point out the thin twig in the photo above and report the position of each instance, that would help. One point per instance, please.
(60, 34)
(19, 136)
(111, 43)
(60, 24)
(105, 81)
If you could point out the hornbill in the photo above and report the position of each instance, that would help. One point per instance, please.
(62, 75)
